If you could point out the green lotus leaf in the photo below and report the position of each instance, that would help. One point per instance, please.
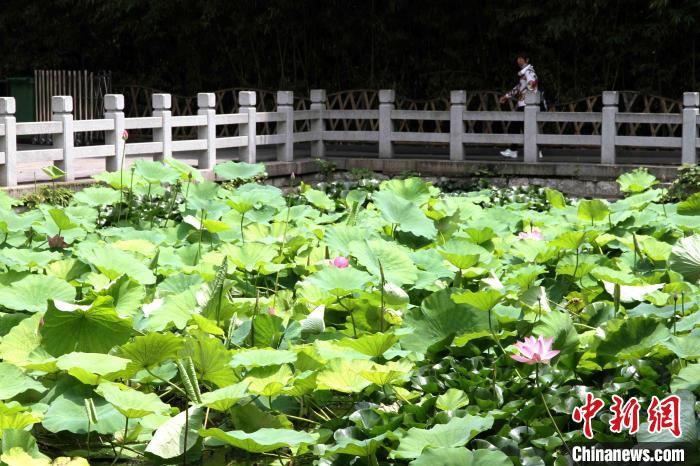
(262, 440)
(455, 433)
(463, 253)
(91, 368)
(173, 309)
(484, 300)
(555, 198)
(211, 360)
(268, 381)
(560, 327)
(339, 237)
(94, 328)
(248, 417)
(156, 172)
(452, 400)
(20, 341)
(249, 256)
(688, 378)
(372, 345)
(204, 195)
(67, 413)
(684, 347)
(343, 375)
(461, 457)
(411, 189)
(393, 372)
(592, 210)
(339, 281)
(33, 292)
(239, 170)
(15, 381)
(319, 199)
(262, 357)
(61, 220)
(127, 296)
(354, 447)
(7, 201)
(150, 350)
(15, 416)
(97, 196)
(130, 402)
(631, 340)
(177, 435)
(16, 438)
(405, 215)
(690, 206)
(25, 259)
(114, 263)
(187, 172)
(636, 181)
(224, 398)
(439, 318)
(685, 258)
(379, 256)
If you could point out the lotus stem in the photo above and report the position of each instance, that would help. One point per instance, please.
(549, 413)
(121, 448)
(187, 428)
(383, 304)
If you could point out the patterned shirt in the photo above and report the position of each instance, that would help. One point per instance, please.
(527, 83)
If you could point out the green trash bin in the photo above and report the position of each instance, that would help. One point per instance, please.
(22, 89)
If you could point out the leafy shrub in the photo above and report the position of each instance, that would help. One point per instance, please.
(686, 184)
(326, 168)
(57, 196)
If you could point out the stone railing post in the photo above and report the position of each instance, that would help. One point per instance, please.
(387, 98)
(164, 134)
(206, 103)
(608, 129)
(114, 110)
(691, 101)
(318, 126)
(62, 110)
(8, 142)
(530, 127)
(246, 104)
(458, 100)
(285, 105)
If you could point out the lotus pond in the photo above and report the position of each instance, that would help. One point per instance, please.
(159, 318)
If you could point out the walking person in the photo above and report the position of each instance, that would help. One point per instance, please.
(527, 84)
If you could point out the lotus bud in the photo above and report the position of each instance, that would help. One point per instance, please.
(125, 135)
(341, 262)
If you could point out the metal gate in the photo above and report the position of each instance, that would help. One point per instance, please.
(87, 89)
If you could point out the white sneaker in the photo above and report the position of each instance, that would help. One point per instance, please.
(512, 154)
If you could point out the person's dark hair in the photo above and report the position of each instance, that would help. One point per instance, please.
(524, 55)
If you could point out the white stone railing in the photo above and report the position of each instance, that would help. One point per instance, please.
(65, 155)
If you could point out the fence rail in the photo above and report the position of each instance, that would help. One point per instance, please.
(289, 123)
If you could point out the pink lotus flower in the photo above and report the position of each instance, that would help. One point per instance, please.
(535, 350)
(125, 135)
(535, 234)
(272, 311)
(340, 262)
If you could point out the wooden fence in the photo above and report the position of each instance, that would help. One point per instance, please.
(318, 125)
